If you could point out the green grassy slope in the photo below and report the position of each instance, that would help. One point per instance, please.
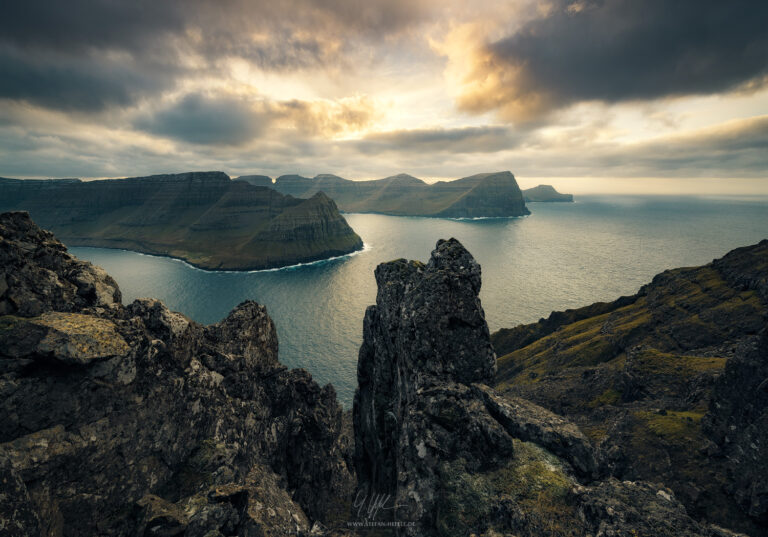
(637, 374)
(202, 217)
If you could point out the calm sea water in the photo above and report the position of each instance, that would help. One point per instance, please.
(562, 256)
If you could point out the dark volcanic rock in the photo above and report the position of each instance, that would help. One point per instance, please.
(532, 423)
(628, 509)
(424, 342)
(122, 420)
(443, 454)
(427, 328)
(37, 273)
(738, 423)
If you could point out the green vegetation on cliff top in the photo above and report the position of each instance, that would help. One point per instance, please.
(481, 195)
(202, 217)
(636, 375)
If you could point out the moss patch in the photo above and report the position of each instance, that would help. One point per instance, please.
(655, 362)
(534, 480)
(675, 427)
(608, 397)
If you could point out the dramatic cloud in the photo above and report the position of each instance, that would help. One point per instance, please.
(224, 119)
(488, 139)
(709, 151)
(619, 50)
(324, 118)
(89, 84)
(200, 119)
(437, 88)
(88, 55)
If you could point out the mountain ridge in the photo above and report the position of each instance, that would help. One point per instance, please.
(545, 193)
(495, 194)
(204, 218)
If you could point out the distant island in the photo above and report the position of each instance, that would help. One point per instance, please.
(481, 195)
(545, 193)
(204, 218)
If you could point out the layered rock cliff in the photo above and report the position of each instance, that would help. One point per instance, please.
(481, 195)
(134, 420)
(201, 217)
(440, 452)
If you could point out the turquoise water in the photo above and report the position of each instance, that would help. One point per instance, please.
(562, 256)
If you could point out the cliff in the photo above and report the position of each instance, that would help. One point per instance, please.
(645, 417)
(454, 456)
(201, 217)
(481, 195)
(668, 384)
(545, 193)
(134, 420)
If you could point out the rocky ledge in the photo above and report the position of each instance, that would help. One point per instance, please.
(451, 456)
(134, 420)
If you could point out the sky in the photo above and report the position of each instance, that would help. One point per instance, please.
(589, 95)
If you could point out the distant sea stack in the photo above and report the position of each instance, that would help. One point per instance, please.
(545, 193)
(203, 218)
(481, 195)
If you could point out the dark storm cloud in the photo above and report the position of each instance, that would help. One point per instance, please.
(218, 118)
(617, 50)
(200, 119)
(135, 24)
(736, 148)
(487, 139)
(91, 54)
(81, 84)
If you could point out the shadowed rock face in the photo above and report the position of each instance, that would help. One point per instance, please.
(138, 421)
(424, 313)
(201, 217)
(37, 273)
(453, 456)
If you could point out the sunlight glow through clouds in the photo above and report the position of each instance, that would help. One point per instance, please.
(436, 89)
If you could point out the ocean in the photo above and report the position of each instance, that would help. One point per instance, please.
(564, 255)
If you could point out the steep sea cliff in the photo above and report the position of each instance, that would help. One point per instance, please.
(203, 218)
(481, 195)
(134, 420)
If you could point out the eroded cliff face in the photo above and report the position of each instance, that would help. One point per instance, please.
(423, 314)
(482, 195)
(448, 454)
(134, 420)
(202, 217)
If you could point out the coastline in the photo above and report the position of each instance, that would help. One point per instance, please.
(365, 248)
(454, 218)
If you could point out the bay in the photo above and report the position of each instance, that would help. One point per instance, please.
(564, 255)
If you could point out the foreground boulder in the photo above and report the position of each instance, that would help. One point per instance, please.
(138, 421)
(439, 452)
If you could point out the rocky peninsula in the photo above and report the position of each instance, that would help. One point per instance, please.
(482, 195)
(203, 218)
(643, 417)
(545, 193)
